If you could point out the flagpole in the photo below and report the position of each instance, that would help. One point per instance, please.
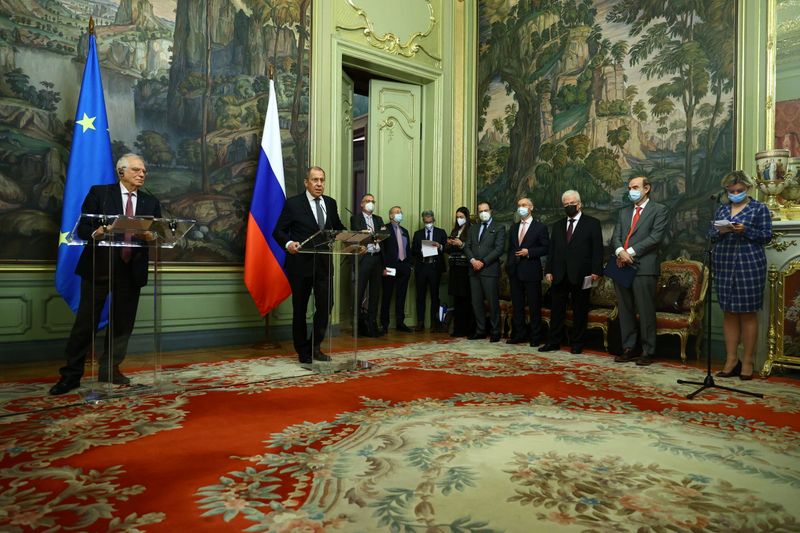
(267, 343)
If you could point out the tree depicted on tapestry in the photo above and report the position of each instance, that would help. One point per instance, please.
(585, 94)
(186, 85)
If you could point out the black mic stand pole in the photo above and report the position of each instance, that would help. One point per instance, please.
(708, 382)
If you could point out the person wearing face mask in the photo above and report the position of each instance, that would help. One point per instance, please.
(428, 270)
(637, 237)
(740, 270)
(484, 248)
(396, 252)
(527, 243)
(370, 264)
(458, 283)
(576, 251)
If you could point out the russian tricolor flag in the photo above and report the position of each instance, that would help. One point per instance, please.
(263, 257)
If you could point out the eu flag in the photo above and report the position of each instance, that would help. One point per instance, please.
(90, 163)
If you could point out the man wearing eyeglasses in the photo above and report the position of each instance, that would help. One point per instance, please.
(574, 262)
(129, 266)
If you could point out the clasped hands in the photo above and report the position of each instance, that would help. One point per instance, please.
(735, 227)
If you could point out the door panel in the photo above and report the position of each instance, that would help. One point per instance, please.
(345, 274)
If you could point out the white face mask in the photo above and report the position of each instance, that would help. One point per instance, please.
(369, 207)
(484, 216)
(429, 225)
(461, 221)
(523, 211)
(398, 217)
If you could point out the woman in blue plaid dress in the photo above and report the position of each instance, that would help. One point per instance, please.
(740, 270)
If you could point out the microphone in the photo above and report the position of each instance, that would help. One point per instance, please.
(716, 197)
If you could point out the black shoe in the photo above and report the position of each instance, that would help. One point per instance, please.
(576, 350)
(117, 378)
(627, 355)
(515, 340)
(477, 336)
(494, 338)
(319, 356)
(644, 360)
(305, 359)
(382, 331)
(736, 371)
(549, 347)
(63, 387)
(403, 328)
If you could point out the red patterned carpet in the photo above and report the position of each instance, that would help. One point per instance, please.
(437, 437)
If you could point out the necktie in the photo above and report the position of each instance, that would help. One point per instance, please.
(633, 225)
(569, 230)
(320, 215)
(370, 227)
(480, 234)
(401, 249)
(126, 251)
(429, 235)
(523, 228)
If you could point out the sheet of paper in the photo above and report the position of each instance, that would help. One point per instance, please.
(587, 282)
(723, 224)
(429, 248)
(391, 271)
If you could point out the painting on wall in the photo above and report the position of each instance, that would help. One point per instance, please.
(186, 86)
(585, 94)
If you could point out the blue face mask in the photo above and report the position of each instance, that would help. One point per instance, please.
(398, 217)
(736, 198)
(523, 211)
(635, 195)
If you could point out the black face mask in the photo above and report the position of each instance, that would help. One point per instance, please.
(571, 210)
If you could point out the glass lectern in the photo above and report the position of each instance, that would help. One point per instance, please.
(114, 240)
(336, 353)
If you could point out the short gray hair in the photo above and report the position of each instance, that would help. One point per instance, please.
(736, 177)
(122, 162)
(571, 192)
(428, 213)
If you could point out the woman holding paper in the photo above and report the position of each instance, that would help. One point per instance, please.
(741, 229)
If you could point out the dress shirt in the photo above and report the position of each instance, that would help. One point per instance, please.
(371, 248)
(575, 220)
(630, 249)
(124, 193)
(313, 204)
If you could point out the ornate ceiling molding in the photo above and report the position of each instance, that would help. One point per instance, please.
(390, 42)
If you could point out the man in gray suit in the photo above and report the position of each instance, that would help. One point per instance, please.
(484, 247)
(637, 236)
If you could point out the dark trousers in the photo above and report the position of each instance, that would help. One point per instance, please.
(122, 315)
(485, 288)
(302, 286)
(464, 321)
(529, 292)
(428, 278)
(561, 293)
(370, 268)
(639, 298)
(398, 283)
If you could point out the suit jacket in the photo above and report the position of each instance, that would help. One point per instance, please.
(537, 242)
(489, 249)
(107, 200)
(297, 223)
(582, 256)
(647, 236)
(439, 236)
(389, 247)
(357, 223)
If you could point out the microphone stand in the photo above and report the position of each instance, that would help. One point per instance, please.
(708, 382)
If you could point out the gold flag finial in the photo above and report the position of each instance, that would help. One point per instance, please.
(270, 71)
(91, 25)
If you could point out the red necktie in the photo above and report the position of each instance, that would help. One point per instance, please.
(633, 225)
(569, 230)
(126, 251)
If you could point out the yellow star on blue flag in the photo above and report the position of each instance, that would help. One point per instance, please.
(87, 122)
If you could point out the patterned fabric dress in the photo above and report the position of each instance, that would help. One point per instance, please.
(740, 264)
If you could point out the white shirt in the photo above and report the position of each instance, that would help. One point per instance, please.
(630, 249)
(313, 204)
(124, 193)
(370, 223)
(575, 220)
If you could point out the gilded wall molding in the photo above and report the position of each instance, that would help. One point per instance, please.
(389, 42)
(778, 244)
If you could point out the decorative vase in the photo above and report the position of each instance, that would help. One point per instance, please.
(771, 167)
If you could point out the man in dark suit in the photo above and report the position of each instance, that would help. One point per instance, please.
(636, 240)
(576, 253)
(396, 251)
(129, 266)
(484, 248)
(428, 270)
(370, 265)
(304, 215)
(527, 243)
